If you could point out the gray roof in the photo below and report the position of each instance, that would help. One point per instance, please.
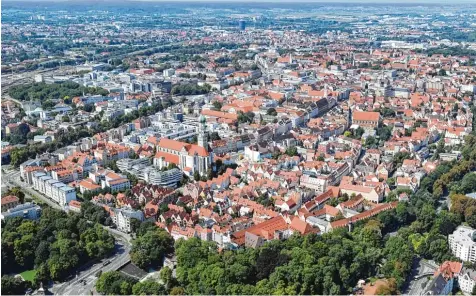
(436, 286)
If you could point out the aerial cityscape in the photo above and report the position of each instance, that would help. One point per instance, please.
(238, 148)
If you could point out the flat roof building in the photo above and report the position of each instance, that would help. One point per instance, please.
(463, 243)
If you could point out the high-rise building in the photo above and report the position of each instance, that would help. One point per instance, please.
(242, 25)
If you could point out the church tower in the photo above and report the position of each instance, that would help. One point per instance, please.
(202, 139)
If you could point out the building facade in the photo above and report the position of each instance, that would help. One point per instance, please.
(26, 211)
(463, 243)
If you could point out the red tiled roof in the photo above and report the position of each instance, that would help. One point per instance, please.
(169, 157)
(367, 116)
(265, 229)
(219, 114)
(199, 150)
(75, 203)
(302, 227)
(364, 215)
(89, 185)
(9, 199)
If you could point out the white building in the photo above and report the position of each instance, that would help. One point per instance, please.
(463, 243)
(127, 163)
(122, 218)
(43, 139)
(55, 190)
(168, 178)
(168, 72)
(27, 211)
(318, 183)
(116, 182)
(467, 281)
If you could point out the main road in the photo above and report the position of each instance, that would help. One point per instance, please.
(86, 278)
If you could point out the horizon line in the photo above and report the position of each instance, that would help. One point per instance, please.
(257, 1)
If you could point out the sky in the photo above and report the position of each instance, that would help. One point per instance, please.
(310, 1)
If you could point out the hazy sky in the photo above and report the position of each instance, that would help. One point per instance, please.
(317, 1)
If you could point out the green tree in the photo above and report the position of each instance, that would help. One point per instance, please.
(24, 253)
(93, 212)
(291, 151)
(426, 216)
(166, 276)
(358, 133)
(97, 242)
(177, 291)
(42, 274)
(64, 258)
(272, 112)
(468, 184)
(196, 175)
(370, 142)
(18, 156)
(13, 286)
(115, 283)
(217, 105)
(42, 252)
(148, 287)
(149, 249)
(17, 191)
(390, 288)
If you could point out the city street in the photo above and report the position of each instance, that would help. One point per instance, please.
(76, 286)
(422, 270)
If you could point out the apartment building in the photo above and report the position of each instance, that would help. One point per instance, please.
(65, 176)
(467, 281)
(318, 183)
(463, 243)
(57, 191)
(115, 181)
(123, 217)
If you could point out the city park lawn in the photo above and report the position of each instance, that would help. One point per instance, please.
(28, 275)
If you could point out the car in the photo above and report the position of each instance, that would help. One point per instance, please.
(106, 262)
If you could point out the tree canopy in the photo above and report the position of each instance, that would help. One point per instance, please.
(55, 245)
(41, 91)
(150, 247)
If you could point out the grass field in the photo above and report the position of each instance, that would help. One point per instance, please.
(28, 275)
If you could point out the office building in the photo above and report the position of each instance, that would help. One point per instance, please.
(242, 25)
(26, 211)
